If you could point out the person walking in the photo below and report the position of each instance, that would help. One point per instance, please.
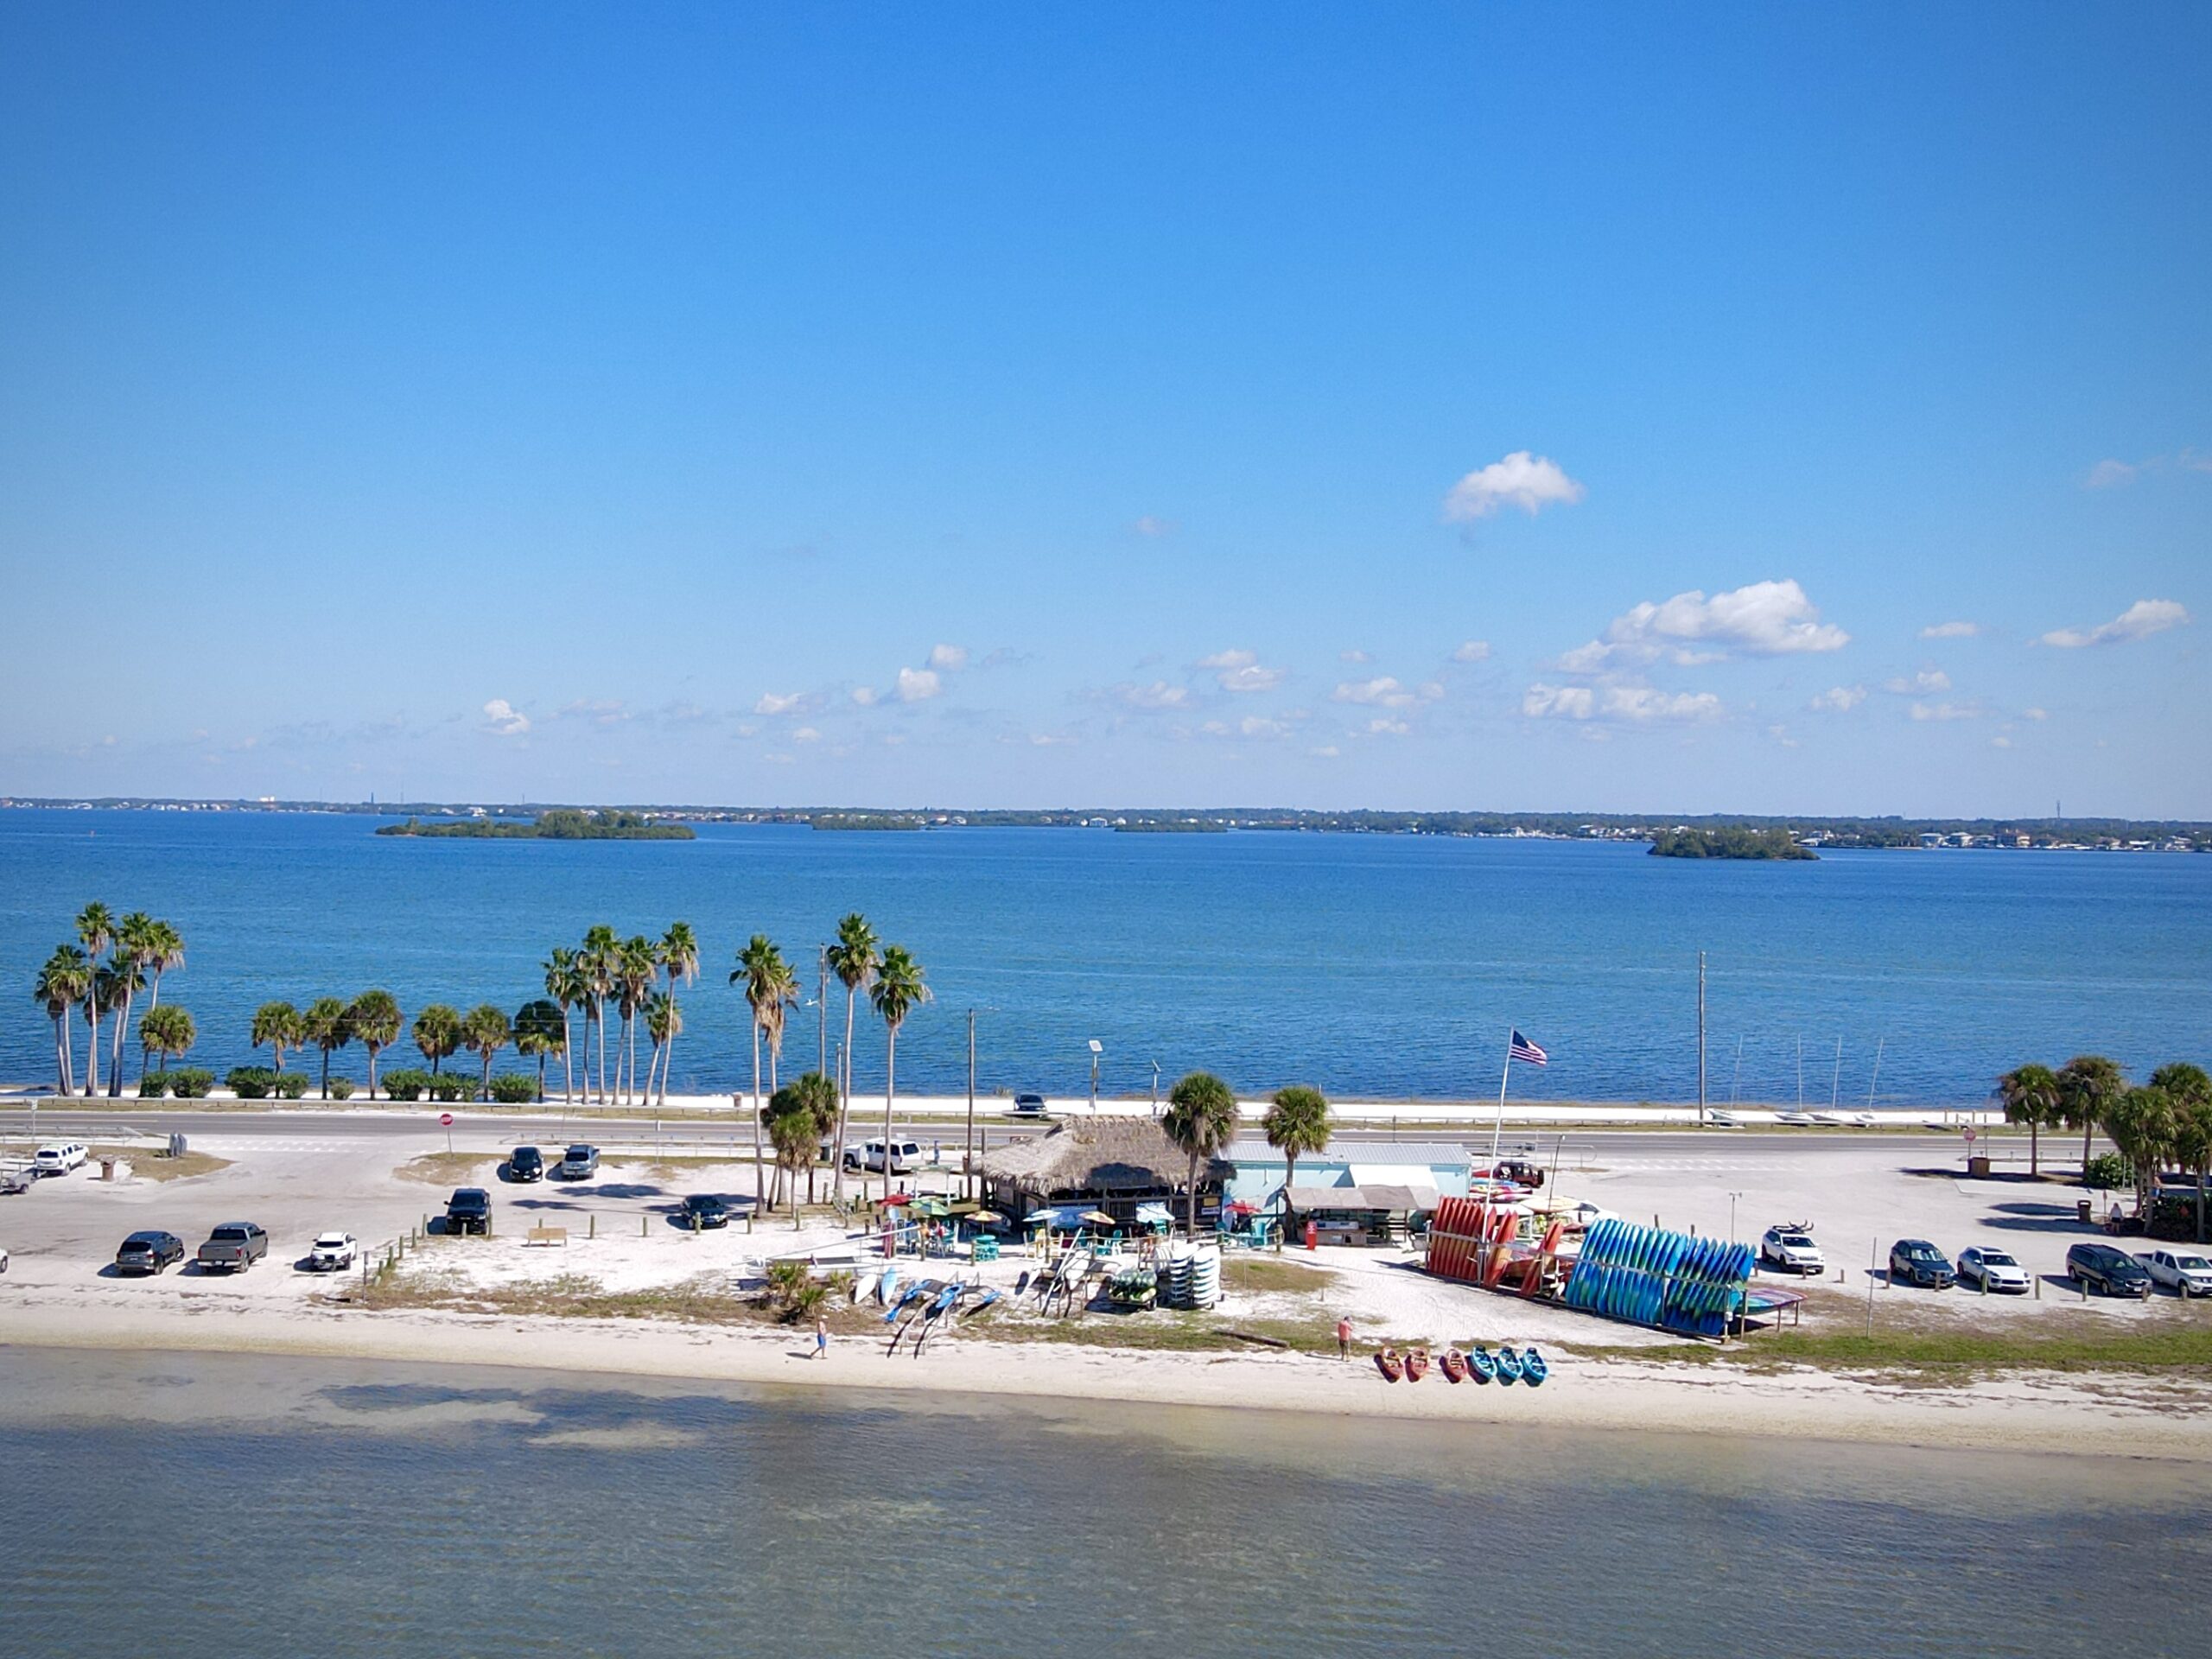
(1343, 1338)
(820, 1336)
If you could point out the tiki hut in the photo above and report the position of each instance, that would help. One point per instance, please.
(1107, 1163)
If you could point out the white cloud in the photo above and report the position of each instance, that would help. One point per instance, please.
(1252, 679)
(1049, 739)
(949, 659)
(1927, 682)
(2139, 621)
(1255, 726)
(779, 702)
(1230, 659)
(806, 735)
(1763, 619)
(1152, 527)
(1780, 734)
(1158, 695)
(1474, 650)
(1326, 751)
(918, 684)
(1432, 691)
(2000, 742)
(866, 696)
(2035, 714)
(1950, 631)
(1841, 699)
(1634, 704)
(501, 719)
(1381, 693)
(1355, 656)
(1945, 711)
(1521, 480)
(1387, 728)
(2110, 475)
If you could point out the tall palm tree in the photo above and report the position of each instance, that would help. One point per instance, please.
(853, 959)
(95, 931)
(2030, 1095)
(2143, 1123)
(540, 1031)
(899, 991)
(1297, 1125)
(679, 959)
(438, 1033)
(325, 1027)
(168, 957)
(63, 982)
(1200, 1119)
(2088, 1085)
(486, 1031)
(169, 1032)
(114, 983)
(277, 1026)
(663, 1020)
(766, 981)
(637, 967)
(565, 983)
(376, 1020)
(137, 940)
(597, 961)
(2192, 1099)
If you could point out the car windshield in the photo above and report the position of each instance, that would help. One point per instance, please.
(330, 1241)
(579, 1153)
(2193, 1263)
(1920, 1252)
(1997, 1259)
(1797, 1241)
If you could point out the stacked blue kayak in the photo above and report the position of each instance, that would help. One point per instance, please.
(1650, 1277)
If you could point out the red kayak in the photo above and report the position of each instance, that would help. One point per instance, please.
(1416, 1364)
(1455, 1365)
(1390, 1364)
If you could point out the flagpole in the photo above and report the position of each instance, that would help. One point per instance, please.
(1498, 1127)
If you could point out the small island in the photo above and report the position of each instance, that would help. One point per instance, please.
(1729, 841)
(562, 823)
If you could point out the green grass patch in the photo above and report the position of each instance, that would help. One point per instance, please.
(446, 1168)
(149, 1164)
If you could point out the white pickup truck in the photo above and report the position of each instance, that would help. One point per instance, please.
(2182, 1272)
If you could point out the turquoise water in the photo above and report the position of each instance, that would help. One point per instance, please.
(212, 1506)
(1386, 966)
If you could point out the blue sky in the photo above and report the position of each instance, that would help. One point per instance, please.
(1524, 407)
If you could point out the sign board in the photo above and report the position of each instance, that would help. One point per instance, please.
(445, 1120)
(1969, 1134)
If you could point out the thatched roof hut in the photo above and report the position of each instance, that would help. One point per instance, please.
(1112, 1163)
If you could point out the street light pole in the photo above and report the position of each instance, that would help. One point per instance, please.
(821, 1015)
(1155, 1088)
(968, 1145)
(1096, 1051)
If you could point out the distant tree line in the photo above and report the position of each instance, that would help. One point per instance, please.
(1732, 841)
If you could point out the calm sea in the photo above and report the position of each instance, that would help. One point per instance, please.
(216, 1505)
(1375, 966)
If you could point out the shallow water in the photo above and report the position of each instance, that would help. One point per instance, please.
(1373, 965)
(213, 1504)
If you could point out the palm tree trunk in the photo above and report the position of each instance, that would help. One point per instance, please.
(2032, 1158)
(2088, 1129)
(325, 1074)
(844, 1101)
(61, 1066)
(598, 1019)
(154, 998)
(487, 1071)
(372, 1071)
(1289, 1169)
(631, 1035)
(92, 1049)
(115, 1052)
(890, 1089)
(1191, 1200)
(756, 1113)
(568, 1061)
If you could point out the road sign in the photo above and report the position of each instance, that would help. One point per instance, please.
(445, 1120)
(1969, 1134)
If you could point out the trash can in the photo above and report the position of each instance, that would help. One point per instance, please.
(1978, 1166)
(107, 1169)
(2081, 1211)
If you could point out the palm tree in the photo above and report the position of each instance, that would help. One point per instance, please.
(169, 1033)
(486, 1031)
(376, 1020)
(2190, 1091)
(565, 983)
(2143, 1123)
(853, 959)
(277, 1026)
(764, 976)
(167, 955)
(819, 1096)
(95, 931)
(325, 1027)
(597, 961)
(1200, 1119)
(637, 967)
(1297, 1125)
(792, 1131)
(679, 959)
(663, 1020)
(542, 1031)
(137, 940)
(438, 1033)
(899, 991)
(2088, 1084)
(64, 982)
(2031, 1094)
(114, 983)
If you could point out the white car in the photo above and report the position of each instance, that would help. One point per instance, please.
(1789, 1249)
(59, 1158)
(2183, 1272)
(906, 1156)
(1993, 1270)
(331, 1253)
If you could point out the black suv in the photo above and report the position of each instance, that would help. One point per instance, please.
(149, 1252)
(2107, 1271)
(469, 1211)
(526, 1164)
(704, 1210)
(1915, 1262)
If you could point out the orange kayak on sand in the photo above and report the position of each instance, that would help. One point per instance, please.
(1416, 1364)
(1390, 1364)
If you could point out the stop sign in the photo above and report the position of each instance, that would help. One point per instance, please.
(446, 1119)
(1969, 1134)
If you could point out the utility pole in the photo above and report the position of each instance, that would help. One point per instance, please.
(822, 1016)
(1701, 1039)
(968, 1162)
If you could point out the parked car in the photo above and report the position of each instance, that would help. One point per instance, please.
(526, 1164)
(1915, 1262)
(13, 1181)
(704, 1210)
(1029, 1105)
(579, 1163)
(2107, 1271)
(1789, 1247)
(4, 1261)
(332, 1252)
(59, 1158)
(906, 1156)
(149, 1252)
(1993, 1270)
(469, 1211)
(2182, 1272)
(233, 1248)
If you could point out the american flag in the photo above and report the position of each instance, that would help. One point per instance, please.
(1527, 1053)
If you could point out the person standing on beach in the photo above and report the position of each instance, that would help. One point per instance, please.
(820, 1336)
(1343, 1338)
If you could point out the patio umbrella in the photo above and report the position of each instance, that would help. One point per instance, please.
(1099, 1218)
(987, 1219)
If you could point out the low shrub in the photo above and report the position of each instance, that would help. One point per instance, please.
(249, 1081)
(290, 1086)
(514, 1089)
(407, 1084)
(191, 1083)
(447, 1087)
(153, 1085)
(341, 1088)
(2107, 1169)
